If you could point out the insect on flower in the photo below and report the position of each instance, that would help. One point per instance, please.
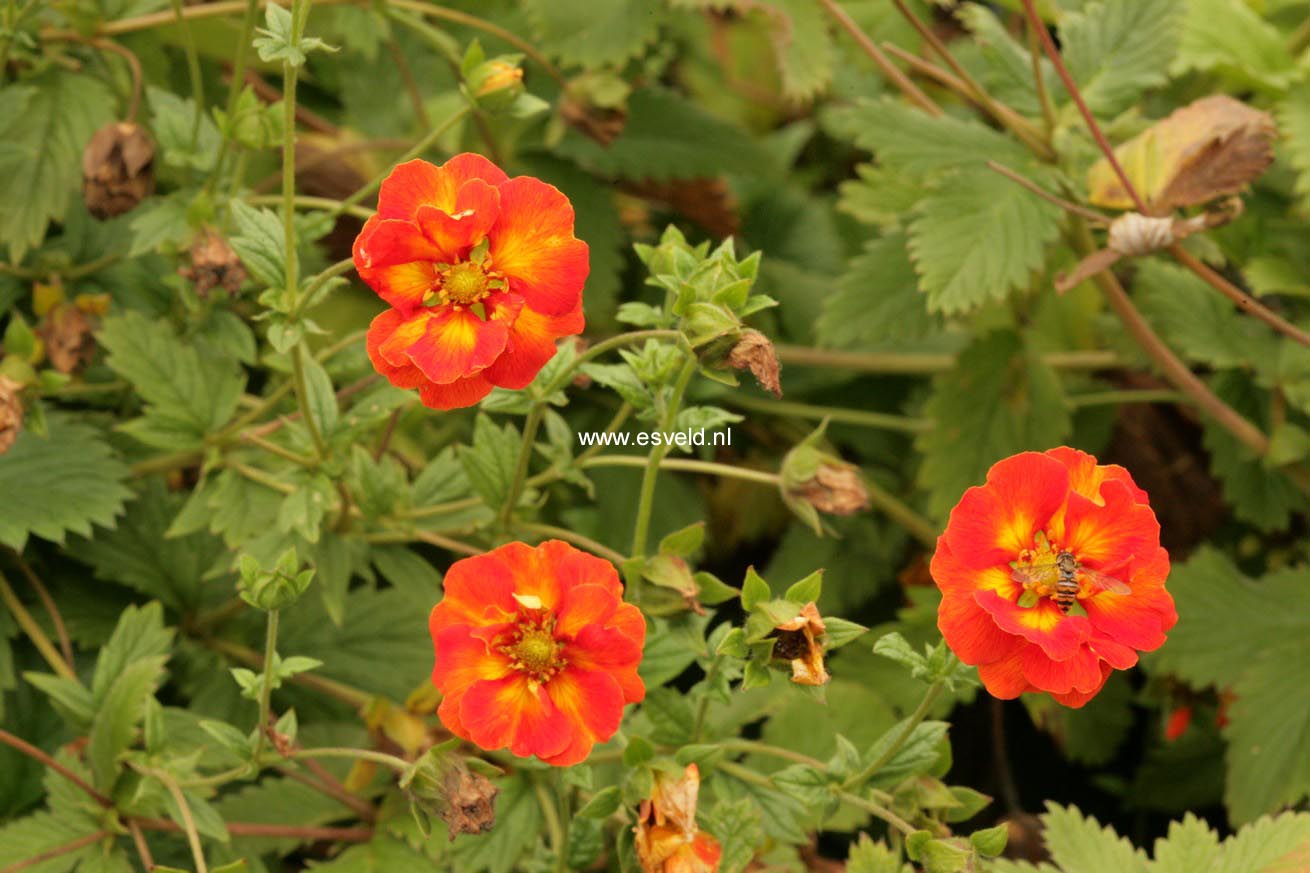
(1052, 576)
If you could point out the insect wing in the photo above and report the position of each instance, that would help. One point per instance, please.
(1037, 573)
(1101, 582)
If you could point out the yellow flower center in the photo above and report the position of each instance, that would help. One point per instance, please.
(532, 648)
(464, 284)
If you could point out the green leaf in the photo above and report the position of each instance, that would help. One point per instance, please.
(44, 125)
(184, 140)
(442, 480)
(1269, 845)
(1117, 49)
(408, 573)
(1294, 123)
(26, 838)
(1079, 844)
(118, 715)
(583, 33)
(491, 460)
(136, 552)
(1198, 322)
(1000, 399)
(68, 480)
(736, 824)
(670, 715)
(916, 755)
(977, 238)
(868, 856)
(382, 854)
(876, 300)
(1264, 497)
(321, 399)
(260, 241)
(139, 633)
(803, 46)
(602, 804)
(279, 41)
(1230, 38)
(913, 144)
(806, 590)
(684, 542)
(1190, 845)
(189, 388)
(280, 801)
(669, 137)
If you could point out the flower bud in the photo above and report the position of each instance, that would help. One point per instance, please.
(755, 352)
(496, 83)
(823, 481)
(276, 588)
(117, 169)
(11, 413)
(214, 264)
(441, 784)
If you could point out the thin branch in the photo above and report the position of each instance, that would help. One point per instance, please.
(688, 465)
(1244, 301)
(57, 852)
(61, 631)
(884, 64)
(1072, 87)
(258, 829)
(324, 781)
(1043, 93)
(915, 363)
(445, 542)
(1067, 205)
(142, 847)
(133, 65)
(36, 754)
(581, 540)
(34, 632)
(411, 84)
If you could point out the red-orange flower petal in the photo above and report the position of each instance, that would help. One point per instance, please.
(535, 651)
(998, 567)
(418, 183)
(534, 246)
(531, 343)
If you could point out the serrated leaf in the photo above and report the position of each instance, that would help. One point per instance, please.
(321, 399)
(139, 633)
(1078, 843)
(803, 46)
(45, 123)
(190, 389)
(977, 238)
(118, 714)
(184, 140)
(68, 480)
(491, 460)
(280, 801)
(1269, 845)
(1117, 49)
(1190, 846)
(1000, 399)
(876, 300)
(26, 838)
(260, 241)
(590, 35)
(1294, 122)
(1229, 37)
(868, 856)
(670, 714)
(915, 756)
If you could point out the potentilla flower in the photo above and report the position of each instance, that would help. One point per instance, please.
(800, 641)
(1052, 576)
(668, 840)
(482, 271)
(536, 651)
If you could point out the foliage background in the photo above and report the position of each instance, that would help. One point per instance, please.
(916, 312)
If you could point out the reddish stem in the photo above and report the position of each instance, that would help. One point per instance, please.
(37, 755)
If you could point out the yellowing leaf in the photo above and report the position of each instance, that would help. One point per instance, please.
(1208, 149)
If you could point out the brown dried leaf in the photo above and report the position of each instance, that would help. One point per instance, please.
(1211, 148)
(754, 351)
(11, 413)
(66, 333)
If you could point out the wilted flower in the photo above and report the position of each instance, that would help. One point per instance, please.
(800, 641)
(536, 651)
(668, 840)
(755, 351)
(66, 332)
(11, 413)
(483, 272)
(117, 169)
(1050, 533)
(214, 264)
(441, 783)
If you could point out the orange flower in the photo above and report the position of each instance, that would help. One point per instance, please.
(668, 840)
(536, 651)
(482, 271)
(998, 566)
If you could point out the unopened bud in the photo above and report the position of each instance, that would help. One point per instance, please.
(496, 83)
(276, 588)
(441, 784)
(117, 169)
(755, 352)
(66, 332)
(11, 413)
(214, 265)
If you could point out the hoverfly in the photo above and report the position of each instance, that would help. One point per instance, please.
(1063, 576)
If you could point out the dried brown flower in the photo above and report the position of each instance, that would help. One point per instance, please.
(755, 351)
(66, 332)
(117, 169)
(11, 413)
(472, 803)
(835, 489)
(800, 641)
(668, 839)
(213, 265)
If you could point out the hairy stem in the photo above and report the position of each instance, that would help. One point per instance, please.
(266, 689)
(34, 632)
(646, 499)
(883, 63)
(41, 757)
(581, 540)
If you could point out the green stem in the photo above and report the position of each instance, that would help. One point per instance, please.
(35, 633)
(400, 765)
(234, 89)
(282, 452)
(918, 363)
(920, 713)
(755, 747)
(415, 151)
(312, 289)
(554, 827)
(919, 527)
(266, 690)
(193, 69)
(574, 537)
(604, 346)
(689, 465)
(302, 399)
(530, 427)
(326, 204)
(877, 810)
(879, 420)
(1114, 398)
(184, 808)
(646, 499)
